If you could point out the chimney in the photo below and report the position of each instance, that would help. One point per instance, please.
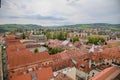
(90, 63)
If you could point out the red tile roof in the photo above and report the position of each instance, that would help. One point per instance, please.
(106, 73)
(15, 47)
(10, 37)
(43, 74)
(67, 54)
(54, 43)
(25, 57)
(113, 42)
(18, 55)
(63, 59)
(112, 53)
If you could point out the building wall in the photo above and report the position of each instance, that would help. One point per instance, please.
(38, 38)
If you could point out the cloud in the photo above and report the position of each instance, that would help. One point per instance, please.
(36, 17)
(60, 12)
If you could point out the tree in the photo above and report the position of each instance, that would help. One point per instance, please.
(36, 50)
(94, 33)
(48, 35)
(95, 40)
(24, 36)
(101, 33)
(61, 36)
(54, 50)
(74, 39)
(13, 31)
(56, 35)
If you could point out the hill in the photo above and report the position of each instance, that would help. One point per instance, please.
(94, 25)
(10, 27)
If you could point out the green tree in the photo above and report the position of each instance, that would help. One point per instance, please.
(101, 33)
(54, 50)
(24, 36)
(95, 40)
(55, 35)
(61, 36)
(36, 50)
(94, 33)
(13, 31)
(74, 39)
(48, 35)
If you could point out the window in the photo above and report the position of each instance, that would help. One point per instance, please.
(107, 63)
(30, 69)
(82, 66)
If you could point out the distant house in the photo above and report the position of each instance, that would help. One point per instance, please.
(113, 43)
(19, 35)
(111, 55)
(38, 38)
(111, 73)
(73, 34)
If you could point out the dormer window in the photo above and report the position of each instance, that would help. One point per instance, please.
(82, 66)
(30, 69)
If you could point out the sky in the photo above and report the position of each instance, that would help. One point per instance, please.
(59, 12)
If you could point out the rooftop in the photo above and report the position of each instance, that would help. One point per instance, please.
(25, 57)
(107, 74)
(112, 53)
(43, 74)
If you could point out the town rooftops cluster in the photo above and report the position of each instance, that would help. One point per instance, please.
(23, 64)
(107, 74)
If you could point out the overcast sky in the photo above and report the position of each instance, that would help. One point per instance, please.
(59, 12)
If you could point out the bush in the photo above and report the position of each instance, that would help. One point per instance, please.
(55, 50)
(36, 50)
(74, 39)
(95, 40)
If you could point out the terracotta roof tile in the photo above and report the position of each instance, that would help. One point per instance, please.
(25, 57)
(111, 52)
(43, 74)
(106, 73)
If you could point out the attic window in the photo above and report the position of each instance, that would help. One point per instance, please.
(82, 66)
(30, 69)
